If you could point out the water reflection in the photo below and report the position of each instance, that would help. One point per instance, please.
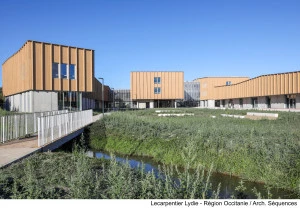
(133, 163)
(228, 183)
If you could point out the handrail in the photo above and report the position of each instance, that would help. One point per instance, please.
(53, 127)
(21, 125)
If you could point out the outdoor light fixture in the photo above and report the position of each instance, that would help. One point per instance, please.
(102, 95)
(113, 91)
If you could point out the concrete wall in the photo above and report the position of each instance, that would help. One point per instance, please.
(221, 104)
(262, 102)
(278, 101)
(44, 101)
(151, 104)
(32, 101)
(211, 103)
(226, 103)
(12, 103)
(141, 104)
(298, 101)
(236, 103)
(247, 103)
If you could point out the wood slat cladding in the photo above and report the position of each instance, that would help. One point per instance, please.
(30, 68)
(97, 92)
(207, 86)
(16, 73)
(265, 85)
(142, 85)
(48, 66)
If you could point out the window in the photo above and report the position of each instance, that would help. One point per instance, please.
(55, 73)
(72, 71)
(228, 83)
(64, 71)
(156, 80)
(156, 90)
(69, 100)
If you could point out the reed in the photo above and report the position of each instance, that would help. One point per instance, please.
(76, 176)
(258, 150)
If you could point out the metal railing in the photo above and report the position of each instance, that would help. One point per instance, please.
(53, 127)
(21, 125)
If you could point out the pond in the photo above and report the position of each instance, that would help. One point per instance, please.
(228, 183)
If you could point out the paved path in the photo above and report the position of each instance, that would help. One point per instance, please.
(16, 150)
(13, 151)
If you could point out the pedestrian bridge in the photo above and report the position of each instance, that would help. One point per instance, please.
(52, 127)
(53, 130)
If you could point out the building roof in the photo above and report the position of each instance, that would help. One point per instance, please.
(258, 77)
(28, 41)
(157, 71)
(221, 77)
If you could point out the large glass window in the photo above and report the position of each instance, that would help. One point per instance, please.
(156, 90)
(60, 101)
(55, 73)
(64, 71)
(156, 80)
(69, 100)
(72, 71)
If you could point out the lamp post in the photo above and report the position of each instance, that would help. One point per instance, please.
(102, 95)
(113, 97)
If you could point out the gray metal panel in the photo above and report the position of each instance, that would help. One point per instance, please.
(191, 91)
(122, 95)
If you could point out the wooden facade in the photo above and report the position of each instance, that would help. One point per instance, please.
(208, 84)
(171, 85)
(30, 69)
(265, 85)
(97, 92)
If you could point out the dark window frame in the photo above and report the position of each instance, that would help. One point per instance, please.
(157, 90)
(55, 66)
(156, 80)
(62, 74)
(228, 83)
(72, 75)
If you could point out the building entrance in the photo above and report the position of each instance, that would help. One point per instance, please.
(163, 104)
(254, 102)
(268, 101)
(69, 101)
(291, 101)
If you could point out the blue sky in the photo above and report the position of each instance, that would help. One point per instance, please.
(201, 38)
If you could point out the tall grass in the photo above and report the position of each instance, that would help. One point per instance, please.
(262, 150)
(76, 176)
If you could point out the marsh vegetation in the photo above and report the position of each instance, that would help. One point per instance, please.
(258, 150)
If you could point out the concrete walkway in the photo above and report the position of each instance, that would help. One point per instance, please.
(16, 150)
